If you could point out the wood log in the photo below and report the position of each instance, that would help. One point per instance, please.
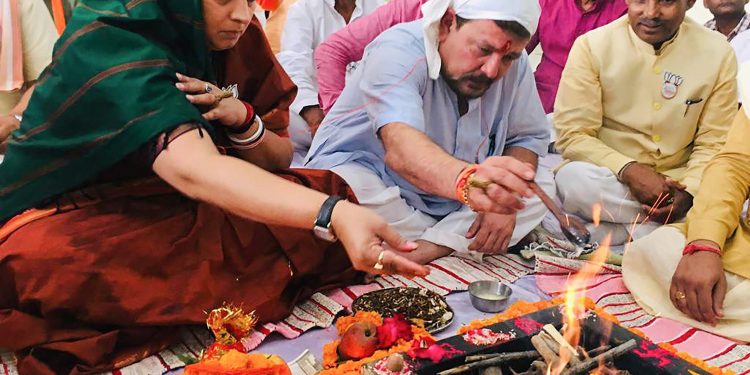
(503, 357)
(563, 344)
(607, 356)
(546, 349)
(492, 370)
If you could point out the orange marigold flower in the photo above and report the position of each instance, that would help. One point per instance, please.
(344, 322)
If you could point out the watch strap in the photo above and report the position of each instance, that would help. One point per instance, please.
(326, 211)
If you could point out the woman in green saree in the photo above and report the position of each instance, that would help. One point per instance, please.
(130, 208)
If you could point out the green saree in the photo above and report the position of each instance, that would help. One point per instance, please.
(109, 90)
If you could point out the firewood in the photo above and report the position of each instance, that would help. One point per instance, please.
(563, 344)
(480, 357)
(539, 367)
(492, 370)
(503, 357)
(607, 356)
(544, 348)
(596, 351)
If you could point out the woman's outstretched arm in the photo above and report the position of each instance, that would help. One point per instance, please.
(193, 165)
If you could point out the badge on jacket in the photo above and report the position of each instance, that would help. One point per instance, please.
(672, 82)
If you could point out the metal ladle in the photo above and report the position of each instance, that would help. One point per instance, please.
(572, 227)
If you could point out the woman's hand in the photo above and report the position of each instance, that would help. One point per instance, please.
(8, 124)
(230, 112)
(365, 235)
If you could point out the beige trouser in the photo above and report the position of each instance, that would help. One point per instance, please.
(413, 224)
(648, 266)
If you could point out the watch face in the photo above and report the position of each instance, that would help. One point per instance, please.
(324, 234)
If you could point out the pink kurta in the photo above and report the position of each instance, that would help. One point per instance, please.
(348, 45)
(561, 23)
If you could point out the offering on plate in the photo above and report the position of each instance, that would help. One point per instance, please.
(417, 305)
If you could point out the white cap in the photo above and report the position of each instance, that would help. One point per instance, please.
(525, 12)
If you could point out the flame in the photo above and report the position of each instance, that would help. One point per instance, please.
(574, 302)
(596, 214)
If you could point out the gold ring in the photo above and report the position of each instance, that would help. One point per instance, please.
(379, 264)
(680, 295)
(477, 183)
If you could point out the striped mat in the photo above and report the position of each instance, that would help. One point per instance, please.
(447, 275)
(610, 293)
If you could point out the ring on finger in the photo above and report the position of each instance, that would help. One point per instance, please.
(478, 182)
(379, 264)
(208, 88)
(679, 295)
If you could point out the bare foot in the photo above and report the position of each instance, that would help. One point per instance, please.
(427, 252)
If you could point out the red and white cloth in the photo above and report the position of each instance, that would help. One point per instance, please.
(447, 275)
(608, 290)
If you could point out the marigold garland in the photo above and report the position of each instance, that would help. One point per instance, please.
(343, 323)
(521, 308)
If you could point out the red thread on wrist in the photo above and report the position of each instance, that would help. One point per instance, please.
(461, 181)
(689, 249)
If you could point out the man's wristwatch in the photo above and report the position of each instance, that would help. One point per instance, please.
(322, 228)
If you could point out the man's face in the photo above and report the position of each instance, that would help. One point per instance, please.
(725, 7)
(476, 54)
(226, 21)
(656, 21)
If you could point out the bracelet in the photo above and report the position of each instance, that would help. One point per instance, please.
(251, 140)
(247, 123)
(462, 185)
(250, 145)
(689, 249)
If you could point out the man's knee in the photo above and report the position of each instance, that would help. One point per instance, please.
(578, 183)
(546, 180)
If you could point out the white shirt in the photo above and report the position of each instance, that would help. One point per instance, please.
(741, 46)
(308, 24)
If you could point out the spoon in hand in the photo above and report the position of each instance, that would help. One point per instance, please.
(572, 227)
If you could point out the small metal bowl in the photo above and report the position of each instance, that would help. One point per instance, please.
(489, 295)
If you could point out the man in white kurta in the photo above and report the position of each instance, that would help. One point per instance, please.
(308, 24)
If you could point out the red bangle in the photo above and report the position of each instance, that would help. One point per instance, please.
(250, 113)
(689, 249)
(247, 124)
(461, 181)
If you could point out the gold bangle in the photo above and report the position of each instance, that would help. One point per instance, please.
(465, 196)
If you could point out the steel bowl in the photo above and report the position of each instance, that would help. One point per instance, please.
(489, 295)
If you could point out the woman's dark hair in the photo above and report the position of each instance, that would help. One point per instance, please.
(512, 27)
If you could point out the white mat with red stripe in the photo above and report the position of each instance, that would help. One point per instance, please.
(446, 275)
(609, 292)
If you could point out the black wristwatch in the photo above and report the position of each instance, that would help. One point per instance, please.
(322, 228)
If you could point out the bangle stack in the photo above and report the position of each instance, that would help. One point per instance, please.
(462, 184)
(250, 142)
(689, 249)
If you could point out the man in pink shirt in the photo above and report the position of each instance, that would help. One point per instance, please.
(561, 22)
